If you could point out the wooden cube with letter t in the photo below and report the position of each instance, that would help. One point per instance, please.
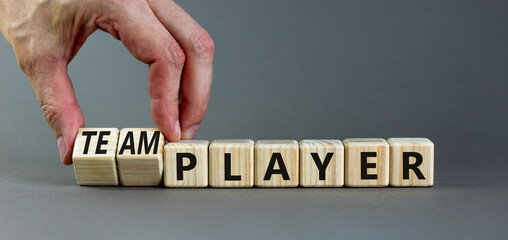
(139, 156)
(411, 162)
(276, 163)
(94, 156)
(231, 163)
(321, 163)
(366, 162)
(186, 163)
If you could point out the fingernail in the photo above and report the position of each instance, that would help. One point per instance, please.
(62, 148)
(178, 131)
(191, 132)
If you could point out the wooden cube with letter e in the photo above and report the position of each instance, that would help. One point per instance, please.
(366, 162)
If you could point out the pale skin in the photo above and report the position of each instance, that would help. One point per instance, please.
(46, 34)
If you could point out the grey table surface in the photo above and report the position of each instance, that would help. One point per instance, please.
(290, 70)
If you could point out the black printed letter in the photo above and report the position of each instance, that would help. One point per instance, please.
(276, 157)
(322, 166)
(179, 164)
(365, 165)
(414, 167)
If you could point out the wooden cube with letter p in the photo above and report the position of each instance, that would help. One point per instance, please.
(94, 156)
(411, 162)
(186, 163)
(366, 162)
(231, 163)
(139, 156)
(321, 163)
(276, 163)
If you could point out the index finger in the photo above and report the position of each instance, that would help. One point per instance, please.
(197, 74)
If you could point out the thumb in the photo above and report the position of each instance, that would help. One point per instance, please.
(55, 93)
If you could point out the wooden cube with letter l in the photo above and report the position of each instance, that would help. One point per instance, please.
(94, 156)
(411, 162)
(366, 162)
(276, 163)
(186, 163)
(321, 163)
(231, 163)
(140, 156)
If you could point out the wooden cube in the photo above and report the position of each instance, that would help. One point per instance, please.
(231, 163)
(366, 162)
(139, 156)
(276, 163)
(94, 156)
(186, 164)
(321, 163)
(411, 162)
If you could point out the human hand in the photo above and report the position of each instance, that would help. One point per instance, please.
(47, 34)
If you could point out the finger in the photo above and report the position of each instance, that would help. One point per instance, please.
(55, 93)
(151, 43)
(198, 71)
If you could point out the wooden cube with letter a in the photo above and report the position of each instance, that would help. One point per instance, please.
(186, 163)
(411, 162)
(321, 163)
(139, 156)
(94, 156)
(276, 163)
(231, 163)
(366, 162)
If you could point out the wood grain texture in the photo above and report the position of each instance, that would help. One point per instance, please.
(352, 158)
(241, 162)
(265, 150)
(140, 156)
(195, 177)
(334, 170)
(422, 146)
(96, 164)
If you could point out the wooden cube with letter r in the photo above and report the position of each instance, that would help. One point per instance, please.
(94, 156)
(140, 156)
(411, 162)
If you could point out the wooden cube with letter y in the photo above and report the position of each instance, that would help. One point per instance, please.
(366, 162)
(411, 162)
(186, 163)
(276, 163)
(94, 156)
(321, 163)
(140, 156)
(231, 163)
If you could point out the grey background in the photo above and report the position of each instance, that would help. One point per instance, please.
(287, 69)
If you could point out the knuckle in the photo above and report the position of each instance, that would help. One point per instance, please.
(203, 45)
(176, 55)
(50, 112)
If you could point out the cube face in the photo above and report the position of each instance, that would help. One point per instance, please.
(276, 163)
(186, 164)
(366, 162)
(94, 156)
(321, 163)
(411, 162)
(140, 156)
(231, 163)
